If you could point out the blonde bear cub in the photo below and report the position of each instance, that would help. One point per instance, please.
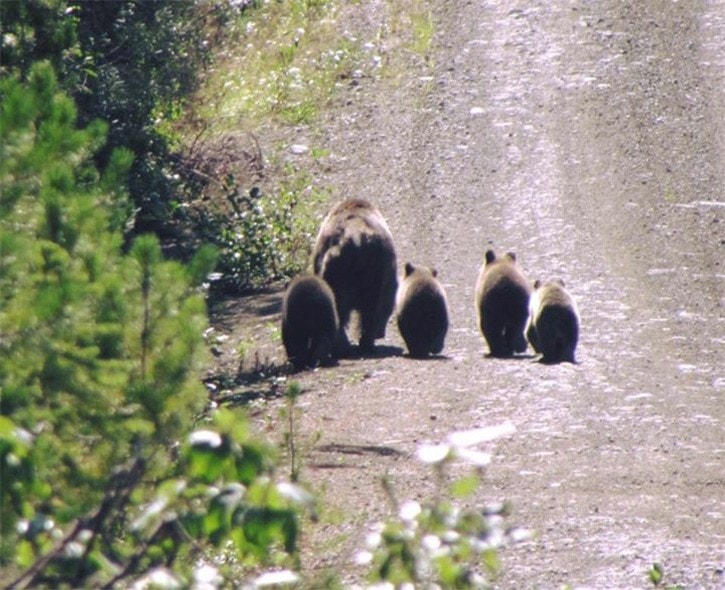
(553, 325)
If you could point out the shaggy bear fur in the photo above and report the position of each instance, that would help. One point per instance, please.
(354, 253)
(422, 309)
(502, 302)
(553, 328)
(309, 321)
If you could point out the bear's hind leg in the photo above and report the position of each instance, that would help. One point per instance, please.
(493, 332)
(516, 341)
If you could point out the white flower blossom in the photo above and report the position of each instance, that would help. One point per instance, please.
(276, 578)
(158, 578)
(409, 510)
(469, 438)
(363, 558)
(295, 493)
(207, 438)
(433, 453)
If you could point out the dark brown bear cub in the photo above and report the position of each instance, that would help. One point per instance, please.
(553, 328)
(422, 309)
(309, 321)
(354, 253)
(502, 302)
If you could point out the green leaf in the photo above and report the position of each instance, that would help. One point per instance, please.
(656, 574)
(218, 520)
(264, 527)
(465, 486)
(202, 264)
(448, 571)
(491, 561)
(25, 554)
(250, 464)
(213, 523)
(206, 464)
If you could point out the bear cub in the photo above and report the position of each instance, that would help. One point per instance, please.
(553, 327)
(309, 321)
(355, 255)
(502, 303)
(422, 309)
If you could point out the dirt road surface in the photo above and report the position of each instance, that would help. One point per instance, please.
(590, 139)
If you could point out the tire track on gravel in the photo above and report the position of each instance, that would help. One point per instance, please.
(614, 487)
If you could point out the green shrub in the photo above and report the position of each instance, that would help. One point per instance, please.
(125, 62)
(262, 238)
(99, 374)
(443, 543)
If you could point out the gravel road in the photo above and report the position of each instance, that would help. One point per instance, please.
(588, 137)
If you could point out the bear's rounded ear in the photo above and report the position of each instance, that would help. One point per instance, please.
(561, 282)
(490, 256)
(409, 268)
(434, 272)
(511, 255)
(537, 284)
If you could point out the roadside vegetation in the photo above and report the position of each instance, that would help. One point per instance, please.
(276, 71)
(111, 465)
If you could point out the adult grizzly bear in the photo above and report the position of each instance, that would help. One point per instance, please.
(354, 253)
(422, 309)
(309, 321)
(502, 302)
(553, 328)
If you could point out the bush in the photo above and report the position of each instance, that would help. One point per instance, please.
(441, 543)
(128, 63)
(99, 369)
(262, 238)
